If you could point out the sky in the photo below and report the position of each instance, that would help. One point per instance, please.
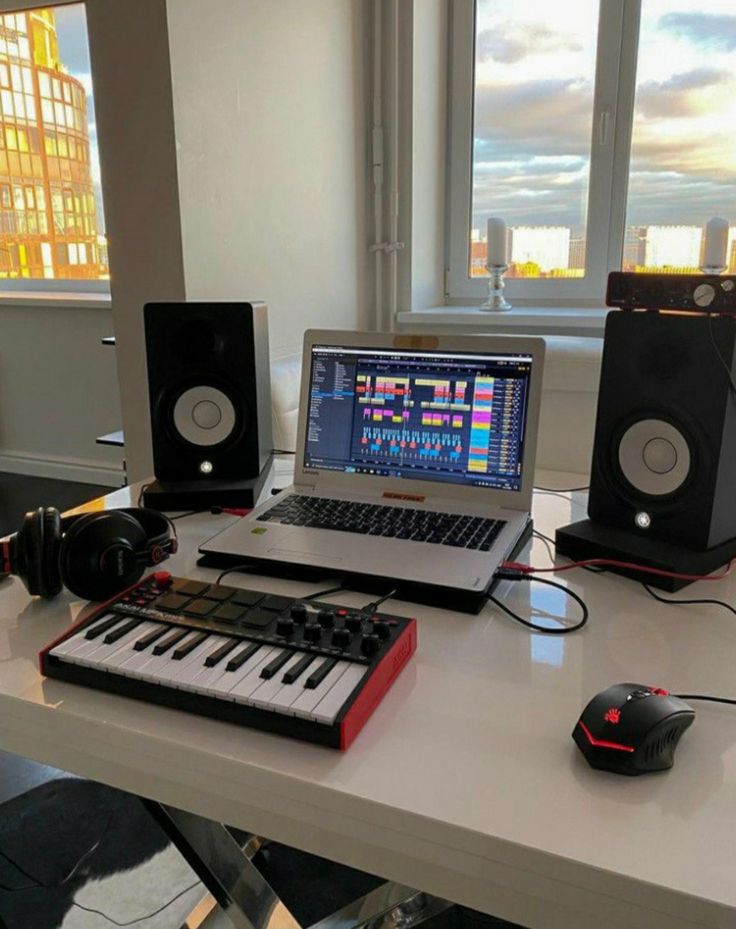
(533, 113)
(71, 32)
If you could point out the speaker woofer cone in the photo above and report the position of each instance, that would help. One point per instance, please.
(204, 416)
(654, 457)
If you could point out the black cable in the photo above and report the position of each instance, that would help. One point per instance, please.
(535, 626)
(559, 490)
(237, 567)
(140, 919)
(183, 515)
(323, 593)
(373, 605)
(717, 350)
(144, 488)
(707, 601)
(704, 697)
(283, 451)
(546, 538)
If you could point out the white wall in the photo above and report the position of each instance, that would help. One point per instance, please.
(271, 149)
(58, 391)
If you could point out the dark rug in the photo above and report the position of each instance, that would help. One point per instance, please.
(47, 831)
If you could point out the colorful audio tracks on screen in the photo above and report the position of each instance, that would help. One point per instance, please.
(412, 419)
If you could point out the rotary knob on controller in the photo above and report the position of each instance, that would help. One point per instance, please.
(341, 637)
(312, 632)
(299, 613)
(326, 618)
(370, 644)
(382, 629)
(354, 622)
(284, 625)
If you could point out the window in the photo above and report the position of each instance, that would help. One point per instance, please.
(48, 163)
(600, 133)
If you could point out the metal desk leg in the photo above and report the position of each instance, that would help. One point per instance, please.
(249, 901)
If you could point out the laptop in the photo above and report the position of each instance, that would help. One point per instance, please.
(414, 460)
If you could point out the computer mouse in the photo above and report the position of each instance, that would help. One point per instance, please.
(632, 729)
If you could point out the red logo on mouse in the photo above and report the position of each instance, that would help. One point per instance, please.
(613, 715)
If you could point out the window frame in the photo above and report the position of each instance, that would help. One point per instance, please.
(610, 152)
(38, 287)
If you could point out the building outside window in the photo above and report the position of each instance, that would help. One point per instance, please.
(51, 220)
(600, 133)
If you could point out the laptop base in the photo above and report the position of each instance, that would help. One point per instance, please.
(462, 601)
(586, 539)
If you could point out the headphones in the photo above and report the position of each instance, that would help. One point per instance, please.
(95, 555)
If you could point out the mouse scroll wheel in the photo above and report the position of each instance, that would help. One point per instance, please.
(638, 694)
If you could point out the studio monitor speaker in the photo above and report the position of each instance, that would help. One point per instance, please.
(664, 457)
(210, 390)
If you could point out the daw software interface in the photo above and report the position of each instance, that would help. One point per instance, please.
(434, 415)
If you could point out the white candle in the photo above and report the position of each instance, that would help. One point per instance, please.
(716, 243)
(496, 245)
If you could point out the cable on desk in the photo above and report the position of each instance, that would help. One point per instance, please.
(237, 567)
(612, 562)
(140, 919)
(374, 604)
(283, 451)
(550, 541)
(509, 576)
(559, 490)
(706, 601)
(704, 697)
(323, 593)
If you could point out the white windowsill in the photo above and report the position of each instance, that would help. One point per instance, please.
(589, 321)
(31, 298)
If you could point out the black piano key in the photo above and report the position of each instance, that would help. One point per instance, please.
(299, 668)
(220, 652)
(121, 631)
(165, 644)
(149, 637)
(242, 657)
(183, 650)
(320, 674)
(276, 664)
(104, 626)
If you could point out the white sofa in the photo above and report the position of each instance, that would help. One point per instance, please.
(569, 398)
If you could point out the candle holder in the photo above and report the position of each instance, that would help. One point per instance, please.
(712, 269)
(496, 299)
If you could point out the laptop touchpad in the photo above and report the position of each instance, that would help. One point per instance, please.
(305, 557)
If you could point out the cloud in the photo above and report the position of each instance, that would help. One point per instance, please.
(512, 42)
(717, 30)
(678, 95)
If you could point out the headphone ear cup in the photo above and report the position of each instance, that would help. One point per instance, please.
(29, 545)
(98, 554)
(49, 574)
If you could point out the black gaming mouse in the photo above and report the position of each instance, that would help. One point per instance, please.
(632, 729)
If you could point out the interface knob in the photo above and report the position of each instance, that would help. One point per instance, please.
(370, 644)
(312, 632)
(299, 613)
(326, 618)
(382, 629)
(354, 622)
(704, 294)
(284, 626)
(341, 637)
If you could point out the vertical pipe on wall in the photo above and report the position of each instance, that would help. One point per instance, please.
(377, 166)
(393, 168)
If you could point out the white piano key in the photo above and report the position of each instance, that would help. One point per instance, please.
(105, 650)
(123, 649)
(253, 679)
(79, 643)
(263, 696)
(190, 665)
(309, 699)
(330, 705)
(221, 685)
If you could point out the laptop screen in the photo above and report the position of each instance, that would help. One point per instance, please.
(446, 416)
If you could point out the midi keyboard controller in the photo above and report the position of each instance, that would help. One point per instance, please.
(300, 667)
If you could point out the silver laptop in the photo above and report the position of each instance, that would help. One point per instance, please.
(414, 459)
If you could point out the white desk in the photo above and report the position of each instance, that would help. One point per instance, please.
(465, 782)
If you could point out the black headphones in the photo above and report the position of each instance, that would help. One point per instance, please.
(95, 555)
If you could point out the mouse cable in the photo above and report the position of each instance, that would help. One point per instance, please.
(504, 574)
(140, 919)
(612, 562)
(704, 697)
(40, 885)
(652, 593)
(237, 567)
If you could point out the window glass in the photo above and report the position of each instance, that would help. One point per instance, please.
(533, 110)
(45, 84)
(682, 154)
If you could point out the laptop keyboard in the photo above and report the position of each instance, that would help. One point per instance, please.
(392, 522)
